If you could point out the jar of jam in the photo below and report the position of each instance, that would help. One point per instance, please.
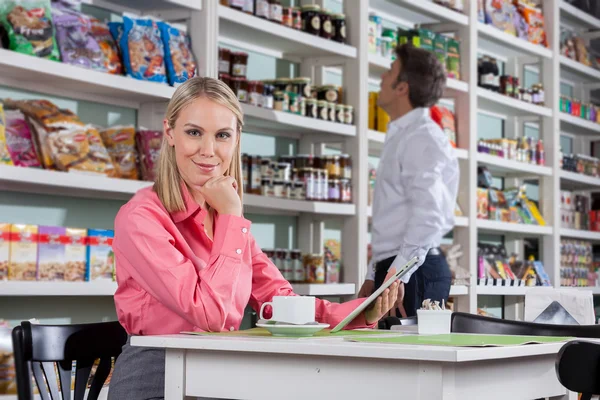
(239, 64)
(311, 19)
(299, 192)
(278, 187)
(288, 17)
(328, 93)
(332, 110)
(261, 9)
(349, 114)
(334, 167)
(297, 18)
(255, 93)
(322, 110)
(346, 166)
(304, 161)
(265, 169)
(311, 108)
(280, 101)
(306, 176)
(237, 4)
(302, 86)
(267, 95)
(339, 28)
(224, 61)
(334, 194)
(249, 7)
(275, 11)
(326, 30)
(265, 187)
(225, 78)
(340, 113)
(346, 191)
(297, 266)
(283, 84)
(284, 172)
(254, 176)
(240, 88)
(294, 104)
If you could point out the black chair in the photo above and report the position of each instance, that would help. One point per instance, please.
(388, 322)
(41, 348)
(471, 323)
(578, 367)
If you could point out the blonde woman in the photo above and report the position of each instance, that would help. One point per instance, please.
(185, 255)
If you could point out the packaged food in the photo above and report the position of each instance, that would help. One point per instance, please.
(116, 31)
(76, 43)
(4, 154)
(482, 203)
(315, 271)
(120, 143)
(108, 45)
(19, 140)
(23, 252)
(535, 21)
(179, 59)
(440, 45)
(100, 255)
(142, 50)
(48, 114)
(68, 147)
(97, 160)
(4, 250)
(41, 138)
(500, 13)
(445, 119)
(28, 27)
(453, 58)
(75, 254)
(51, 253)
(148, 145)
(582, 52)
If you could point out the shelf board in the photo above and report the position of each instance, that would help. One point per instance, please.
(263, 120)
(241, 27)
(503, 290)
(501, 104)
(507, 227)
(461, 154)
(577, 17)
(148, 6)
(580, 234)
(459, 290)
(255, 204)
(575, 181)
(578, 126)
(327, 289)
(575, 71)
(376, 140)
(461, 221)
(594, 289)
(92, 85)
(501, 166)
(499, 42)
(431, 11)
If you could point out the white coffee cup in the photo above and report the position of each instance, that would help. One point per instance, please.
(291, 309)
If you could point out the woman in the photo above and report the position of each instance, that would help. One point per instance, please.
(186, 260)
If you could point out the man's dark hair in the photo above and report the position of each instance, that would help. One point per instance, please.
(424, 74)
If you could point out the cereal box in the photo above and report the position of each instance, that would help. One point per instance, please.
(23, 252)
(100, 256)
(75, 254)
(4, 253)
(51, 253)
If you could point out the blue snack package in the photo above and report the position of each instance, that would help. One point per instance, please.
(179, 59)
(142, 50)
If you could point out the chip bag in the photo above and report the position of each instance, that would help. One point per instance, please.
(28, 24)
(179, 59)
(19, 140)
(143, 51)
(68, 147)
(97, 160)
(148, 144)
(112, 56)
(120, 143)
(4, 154)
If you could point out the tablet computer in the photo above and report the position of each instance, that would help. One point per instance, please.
(396, 275)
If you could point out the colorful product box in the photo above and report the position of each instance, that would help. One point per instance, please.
(22, 265)
(4, 250)
(51, 253)
(76, 250)
(100, 256)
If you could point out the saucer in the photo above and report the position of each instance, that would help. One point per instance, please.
(281, 329)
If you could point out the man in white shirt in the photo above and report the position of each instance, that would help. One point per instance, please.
(417, 183)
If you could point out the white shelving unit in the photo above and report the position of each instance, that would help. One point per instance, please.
(580, 234)
(502, 166)
(575, 181)
(506, 105)
(578, 126)
(519, 229)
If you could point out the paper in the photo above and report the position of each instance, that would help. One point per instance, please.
(262, 332)
(578, 303)
(462, 340)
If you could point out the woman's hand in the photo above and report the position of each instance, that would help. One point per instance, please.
(382, 304)
(221, 194)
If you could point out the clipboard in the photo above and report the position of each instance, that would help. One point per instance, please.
(396, 275)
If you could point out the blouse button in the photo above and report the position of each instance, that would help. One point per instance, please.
(239, 251)
(244, 230)
(231, 328)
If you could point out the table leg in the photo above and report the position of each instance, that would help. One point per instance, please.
(175, 374)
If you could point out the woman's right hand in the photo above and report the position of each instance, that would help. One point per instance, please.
(221, 194)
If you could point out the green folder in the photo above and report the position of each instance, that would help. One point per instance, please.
(462, 340)
(262, 332)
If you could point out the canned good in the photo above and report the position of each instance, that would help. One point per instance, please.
(340, 113)
(322, 110)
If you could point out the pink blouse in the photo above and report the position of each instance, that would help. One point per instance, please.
(172, 277)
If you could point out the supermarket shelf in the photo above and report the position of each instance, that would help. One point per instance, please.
(284, 123)
(502, 166)
(147, 6)
(431, 11)
(240, 27)
(507, 227)
(577, 17)
(580, 234)
(376, 140)
(578, 126)
(501, 104)
(575, 71)
(459, 290)
(575, 181)
(461, 221)
(502, 290)
(83, 83)
(256, 204)
(461, 154)
(327, 289)
(499, 42)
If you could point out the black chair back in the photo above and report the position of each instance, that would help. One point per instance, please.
(471, 323)
(578, 367)
(42, 348)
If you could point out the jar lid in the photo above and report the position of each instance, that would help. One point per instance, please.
(303, 79)
(303, 155)
(279, 93)
(348, 107)
(282, 80)
(326, 11)
(284, 164)
(310, 100)
(330, 86)
(340, 106)
(239, 53)
(339, 16)
(265, 161)
(311, 7)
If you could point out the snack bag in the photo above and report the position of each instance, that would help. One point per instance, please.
(535, 20)
(75, 254)
(19, 140)
(23, 252)
(76, 43)
(143, 51)
(97, 159)
(112, 56)
(120, 143)
(28, 25)
(445, 119)
(100, 256)
(178, 54)
(51, 253)
(500, 13)
(4, 155)
(148, 145)
(4, 250)
(68, 147)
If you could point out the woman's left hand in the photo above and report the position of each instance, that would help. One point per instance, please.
(382, 304)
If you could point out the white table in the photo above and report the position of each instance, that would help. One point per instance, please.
(331, 368)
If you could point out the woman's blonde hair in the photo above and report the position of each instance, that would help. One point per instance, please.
(168, 179)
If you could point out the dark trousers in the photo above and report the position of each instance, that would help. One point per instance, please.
(431, 280)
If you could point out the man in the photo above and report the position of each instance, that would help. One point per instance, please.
(417, 183)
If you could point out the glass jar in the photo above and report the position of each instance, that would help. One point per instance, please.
(280, 101)
(349, 114)
(311, 108)
(304, 161)
(224, 3)
(297, 266)
(322, 110)
(275, 11)
(278, 187)
(283, 84)
(311, 19)
(346, 166)
(297, 18)
(284, 171)
(314, 268)
(237, 4)
(307, 177)
(239, 64)
(328, 93)
(334, 195)
(299, 191)
(239, 86)
(254, 175)
(262, 9)
(265, 169)
(288, 190)
(224, 61)
(340, 113)
(326, 30)
(332, 110)
(288, 17)
(294, 105)
(249, 7)
(225, 78)
(255, 89)
(280, 259)
(339, 28)
(267, 97)
(245, 172)
(302, 107)
(346, 191)
(301, 86)
(265, 184)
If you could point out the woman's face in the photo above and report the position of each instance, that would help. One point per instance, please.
(205, 137)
